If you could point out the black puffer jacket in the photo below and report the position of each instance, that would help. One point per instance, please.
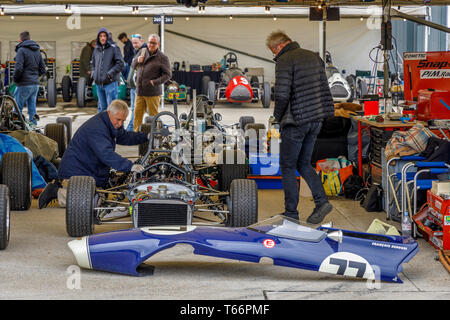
(302, 82)
(29, 64)
(107, 62)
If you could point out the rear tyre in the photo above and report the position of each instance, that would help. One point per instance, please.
(266, 95)
(212, 91)
(51, 93)
(244, 120)
(205, 84)
(81, 92)
(232, 168)
(4, 217)
(242, 204)
(143, 147)
(67, 121)
(57, 132)
(66, 88)
(80, 206)
(15, 170)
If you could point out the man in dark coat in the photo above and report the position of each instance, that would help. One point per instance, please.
(91, 151)
(106, 67)
(302, 100)
(128, 53)
(85, 59)
(152, 71)
(28, 68)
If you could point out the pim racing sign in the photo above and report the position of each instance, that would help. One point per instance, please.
(425, 70)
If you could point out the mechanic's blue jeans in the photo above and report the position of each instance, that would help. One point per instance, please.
(27, 96)
(125, 70)
(132, 100)
(296, 148)
(106, 94)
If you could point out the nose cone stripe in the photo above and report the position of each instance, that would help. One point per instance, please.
(80, 250)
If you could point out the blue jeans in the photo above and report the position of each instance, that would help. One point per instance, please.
(297, 145)
(27, 95)
(125, 70)
(132, 100)
(106, 94)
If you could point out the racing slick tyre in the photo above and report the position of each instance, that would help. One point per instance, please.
(57, 132)
(254, 135)
(244, 120)
(242, 204)
(81, 92)
(67, 121)
(265, 97)
(212, 91)
(15, 171)
(4, 217)
(232, 168)
(205, 83)
(80, 206)
(51, 93)
(66, 89)
(143, 147)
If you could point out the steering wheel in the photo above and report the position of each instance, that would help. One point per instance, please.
(230, 58)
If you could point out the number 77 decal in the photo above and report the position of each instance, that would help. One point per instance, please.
(349, 264)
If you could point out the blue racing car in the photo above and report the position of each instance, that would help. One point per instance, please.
(287, 242)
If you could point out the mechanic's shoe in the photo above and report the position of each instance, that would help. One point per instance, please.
(319, 213)
(49, 194)
(284, 214)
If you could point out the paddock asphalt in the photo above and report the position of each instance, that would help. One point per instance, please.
(38, 264)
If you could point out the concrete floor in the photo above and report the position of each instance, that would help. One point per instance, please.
(39, 265)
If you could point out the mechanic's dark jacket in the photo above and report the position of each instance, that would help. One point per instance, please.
(91, 152)
(300, 80)
(85, 60)
(107, 62)
(155, 67)
(29, 64)
(128, 52)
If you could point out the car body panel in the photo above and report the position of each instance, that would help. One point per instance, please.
(359, 255)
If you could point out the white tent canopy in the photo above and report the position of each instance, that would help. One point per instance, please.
(348, 40)
(150, 10)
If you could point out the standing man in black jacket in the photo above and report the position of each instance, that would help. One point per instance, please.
(28, 68)
(106, 66)
(302, 100)
(128, 53)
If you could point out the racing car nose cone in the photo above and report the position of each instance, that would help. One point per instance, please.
(79, 248)
(240, 93)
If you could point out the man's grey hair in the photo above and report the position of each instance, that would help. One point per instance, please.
(276, 38)
(118, 105)
(153, 35)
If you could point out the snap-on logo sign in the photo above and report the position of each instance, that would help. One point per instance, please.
(269, 243)
(433, 64)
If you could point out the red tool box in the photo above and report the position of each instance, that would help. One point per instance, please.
(433, 222)
(425, 70)
(433, 104)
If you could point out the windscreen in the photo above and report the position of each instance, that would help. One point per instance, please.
(284, 227)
